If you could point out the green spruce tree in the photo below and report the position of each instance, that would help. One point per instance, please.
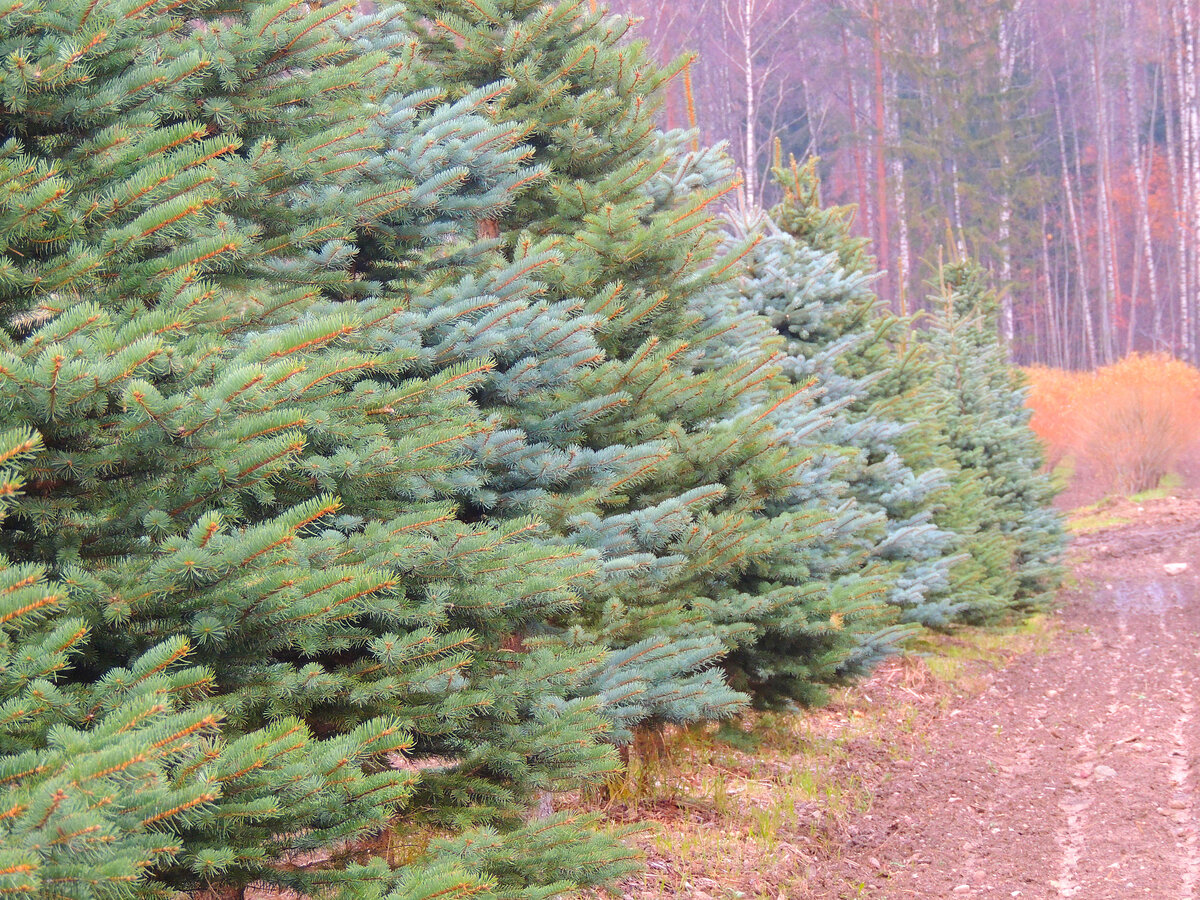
(1001, 498)
(253, 627)
(87, 807)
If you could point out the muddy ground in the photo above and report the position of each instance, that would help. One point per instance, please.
(1074, 773)
(1068, 767)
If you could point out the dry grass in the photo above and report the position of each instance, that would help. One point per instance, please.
(753, 810)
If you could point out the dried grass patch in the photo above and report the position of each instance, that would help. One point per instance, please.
(758, 808)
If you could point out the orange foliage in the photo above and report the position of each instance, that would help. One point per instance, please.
(1130, 422)
(1052, 395)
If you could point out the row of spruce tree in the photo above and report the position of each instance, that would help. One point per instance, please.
(392, 425)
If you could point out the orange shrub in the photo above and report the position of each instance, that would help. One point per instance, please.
(1052, 397)
(1143, 414)
(1130, 422)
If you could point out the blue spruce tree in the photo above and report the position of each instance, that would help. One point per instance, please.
(644, 449)
(811, 279)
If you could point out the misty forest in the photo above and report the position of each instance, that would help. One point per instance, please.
(1055, 141)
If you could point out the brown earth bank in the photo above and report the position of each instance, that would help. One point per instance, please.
(1086, 485)
(1054, 761)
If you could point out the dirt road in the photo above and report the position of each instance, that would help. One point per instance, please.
(1077, 772)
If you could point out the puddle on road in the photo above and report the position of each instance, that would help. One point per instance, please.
(1154, 597)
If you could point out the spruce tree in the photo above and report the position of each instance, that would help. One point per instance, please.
(242, 600)
(812, 280)
(1002, 496)
(643, 450)
(87, 810)
(810, 590)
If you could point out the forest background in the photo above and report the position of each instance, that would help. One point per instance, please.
(1058, 141)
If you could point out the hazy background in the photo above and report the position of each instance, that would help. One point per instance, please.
(1057, 140)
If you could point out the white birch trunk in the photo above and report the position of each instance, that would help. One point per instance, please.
(748, 17)
(896, 164)
(1085, 306)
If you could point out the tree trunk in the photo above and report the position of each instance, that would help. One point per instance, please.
(1085, 307)
(883, 226)
(856, 139)
(751, 124)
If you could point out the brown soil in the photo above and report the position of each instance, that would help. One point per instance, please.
(1085, 488)
(1072, 771)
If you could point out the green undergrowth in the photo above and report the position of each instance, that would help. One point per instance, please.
(1088, 523)
(963, 661)
(1063, 474)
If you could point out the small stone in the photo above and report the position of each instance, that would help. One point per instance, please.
(963, 889)
(1175, 568)
(1105, 772)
